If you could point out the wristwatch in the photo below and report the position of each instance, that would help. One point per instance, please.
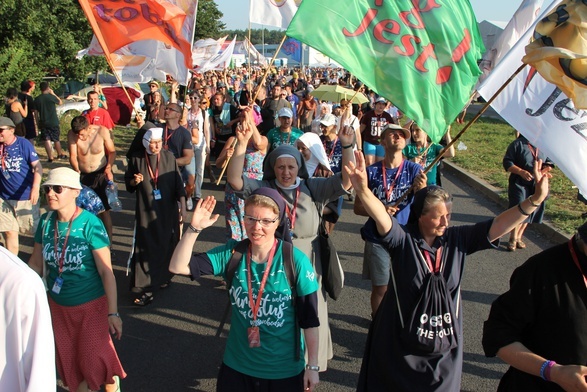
(314, 368)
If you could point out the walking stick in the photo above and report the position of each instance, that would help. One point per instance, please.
(225, 164)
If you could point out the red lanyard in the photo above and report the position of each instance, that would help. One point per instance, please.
(155, 176)
(533, 151)
(576, 260)
(165, 141)
(3, 153)
(436, 267)
(389, 191)
(60, 259)
(291, 213)
(333, 147)
(256, 304)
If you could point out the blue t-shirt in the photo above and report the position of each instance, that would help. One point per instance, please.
(333, 149)
(400, 186)
(17, 160)
(276, 316)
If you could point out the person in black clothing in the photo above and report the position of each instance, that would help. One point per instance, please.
(538, 326)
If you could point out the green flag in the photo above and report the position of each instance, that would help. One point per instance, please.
(420, 54)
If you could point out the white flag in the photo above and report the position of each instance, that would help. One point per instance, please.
(203, 50)
(523, 18)
(541, 112)
(220, 61)
(273, 12)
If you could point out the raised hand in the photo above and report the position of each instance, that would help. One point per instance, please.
(203, 217)
(542, 175)
(346, 135)
(357, 173)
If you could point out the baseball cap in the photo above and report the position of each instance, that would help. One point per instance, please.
(381, 100)
(63, 176)
(220, 85)
(285, 112)
(328, 120)
(6, 122)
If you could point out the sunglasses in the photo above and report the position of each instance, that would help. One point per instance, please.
(56, 188)
(4, 129)
(174, 110)
(263, 222)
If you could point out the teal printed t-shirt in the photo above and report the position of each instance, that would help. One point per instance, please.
(81, 280)
(411, 151)
(275, 359)
(276, 138)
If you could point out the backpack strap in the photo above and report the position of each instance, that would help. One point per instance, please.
(237, 255)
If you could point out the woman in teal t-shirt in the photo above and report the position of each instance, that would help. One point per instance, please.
(422, 151)
(71, 244)
(263, 339)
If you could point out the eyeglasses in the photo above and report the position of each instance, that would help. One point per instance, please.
(263, 222)
(194, 98)
(56, 188)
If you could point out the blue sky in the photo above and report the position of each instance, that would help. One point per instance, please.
(236, 12)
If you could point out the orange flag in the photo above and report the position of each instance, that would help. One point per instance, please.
(559, 51)
(118, 23)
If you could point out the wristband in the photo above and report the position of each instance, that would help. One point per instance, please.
(114, 314)
(548, 369)
(522, 210)
(532, 202)
(546, 366)
(192, 228)
(345, 147)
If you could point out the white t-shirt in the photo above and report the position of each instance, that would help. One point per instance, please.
(27, 348)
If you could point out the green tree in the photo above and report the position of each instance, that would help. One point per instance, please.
(208, 22)
(42, 37)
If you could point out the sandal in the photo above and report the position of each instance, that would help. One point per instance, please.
(165, 285)
(144, 299)
(520, 244)
(512, 245)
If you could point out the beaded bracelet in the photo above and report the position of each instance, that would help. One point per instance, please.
(522, 210)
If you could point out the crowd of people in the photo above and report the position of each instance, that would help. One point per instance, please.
(290, 160)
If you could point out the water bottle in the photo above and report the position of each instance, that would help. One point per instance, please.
(112, 194)
(89, 200)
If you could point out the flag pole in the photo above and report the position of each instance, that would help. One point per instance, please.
(225, 164)
(268, 68)
(465, 128)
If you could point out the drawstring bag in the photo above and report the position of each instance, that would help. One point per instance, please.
(432, 327)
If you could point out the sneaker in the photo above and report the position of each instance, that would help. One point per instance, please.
(189, 204)
(62, 156)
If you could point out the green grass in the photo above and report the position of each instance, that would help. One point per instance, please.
(487, 141)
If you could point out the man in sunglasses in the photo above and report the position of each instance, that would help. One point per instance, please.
(20, 180)
(92, 154)
(178, 140)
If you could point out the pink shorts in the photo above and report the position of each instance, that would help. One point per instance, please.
(83, 344)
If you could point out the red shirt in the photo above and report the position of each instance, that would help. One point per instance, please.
(99, 117)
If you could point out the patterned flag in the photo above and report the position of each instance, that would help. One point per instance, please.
(421, 55)
(276, 13)
(523, 18)
(293, 48)
(559, 50)
(160, 31)
(541, 112)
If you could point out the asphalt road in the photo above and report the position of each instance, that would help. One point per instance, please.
(171, 345)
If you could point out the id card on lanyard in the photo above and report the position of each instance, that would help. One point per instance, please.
(60, 258)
